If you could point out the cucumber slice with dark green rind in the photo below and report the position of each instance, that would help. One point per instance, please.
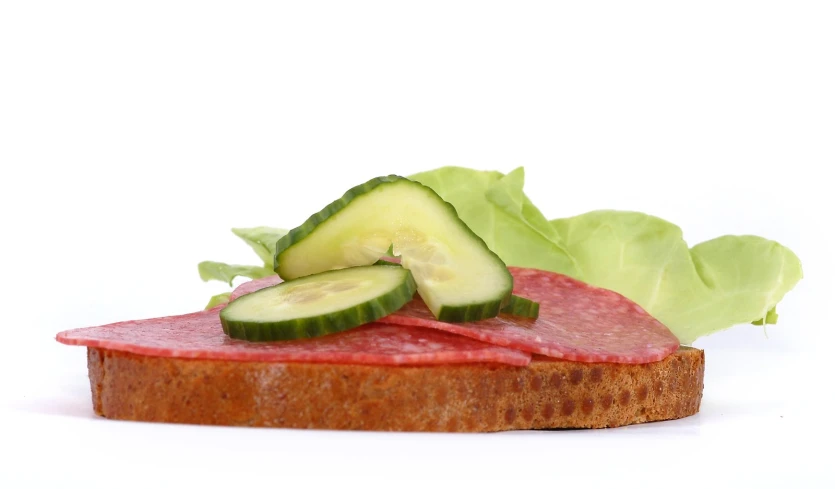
(317, 305)
(475, 312)
(515, 306)
(458, 276)
(520, 306)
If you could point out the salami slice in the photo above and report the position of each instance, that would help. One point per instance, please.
(253, 285)
(576, 322)
(199, 335)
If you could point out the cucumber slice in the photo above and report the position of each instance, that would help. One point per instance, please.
(516, 306)
(457, 275)
(318, 304)
(519, 306)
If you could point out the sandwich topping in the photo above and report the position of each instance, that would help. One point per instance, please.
(319, 304)
(397, 272)
(200, 335)
(576, 321)
(458, 276)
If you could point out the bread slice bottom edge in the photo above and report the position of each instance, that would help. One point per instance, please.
(546, 394)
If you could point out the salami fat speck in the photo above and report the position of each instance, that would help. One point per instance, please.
(199, 335)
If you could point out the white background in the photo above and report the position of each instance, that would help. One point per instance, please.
(133, 135)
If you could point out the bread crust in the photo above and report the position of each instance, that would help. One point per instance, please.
(447, 398)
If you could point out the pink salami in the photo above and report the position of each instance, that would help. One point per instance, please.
(253, 285)
(199, 335)
(576, 322)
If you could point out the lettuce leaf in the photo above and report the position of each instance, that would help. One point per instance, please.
(495, 208)
(218, 299)
(770, 318)
(262, 240)
(212, 270)
(695, 291)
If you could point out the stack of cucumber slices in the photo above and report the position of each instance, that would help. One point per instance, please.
(334, 279)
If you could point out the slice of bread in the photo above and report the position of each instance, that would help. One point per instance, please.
(465, 398)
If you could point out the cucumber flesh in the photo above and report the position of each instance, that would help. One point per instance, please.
(318, 304)
(520, 306)
(516, 306)
(457, 275)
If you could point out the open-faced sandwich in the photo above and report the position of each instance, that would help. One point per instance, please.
(444, 302)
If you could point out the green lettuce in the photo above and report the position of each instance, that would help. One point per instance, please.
(218, 299)
(770, 318)
(695, 291)
(495, 208)
(262, 240)
(224, 272)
